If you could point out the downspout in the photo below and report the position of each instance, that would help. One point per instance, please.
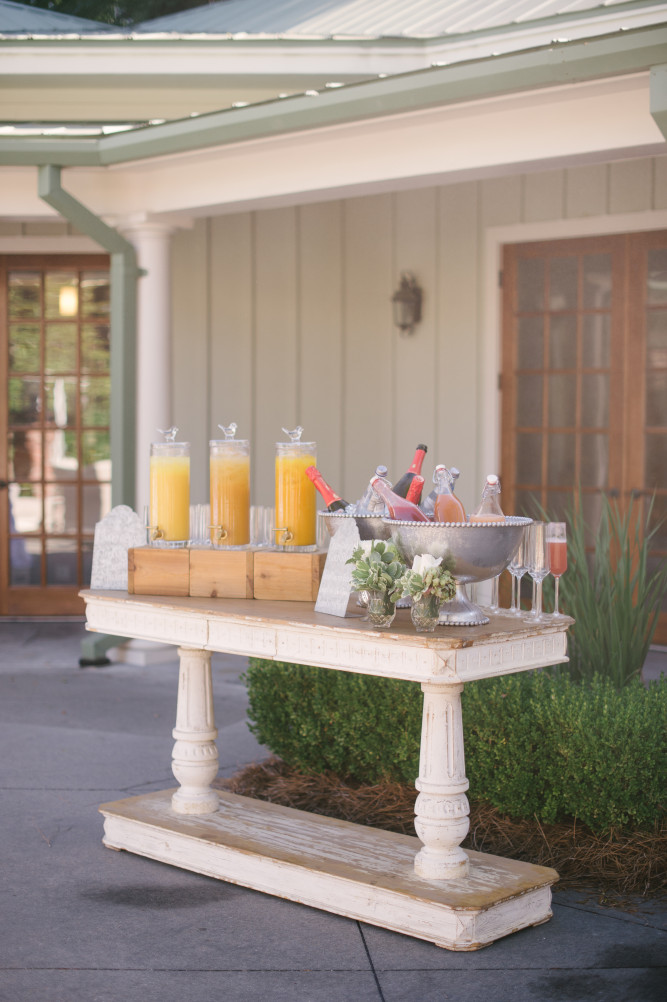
(124, 275)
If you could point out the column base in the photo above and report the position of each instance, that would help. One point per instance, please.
(316, 861)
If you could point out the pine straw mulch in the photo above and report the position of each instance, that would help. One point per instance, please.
(619, 863)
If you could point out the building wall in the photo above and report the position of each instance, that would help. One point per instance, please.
(283, 317)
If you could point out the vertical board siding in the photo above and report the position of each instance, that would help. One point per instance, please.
(414, 389)
(231, 373)
(455, 433)
(190, 349)
(321, 321)
(369, 399)
(284, 316)
(277, 361)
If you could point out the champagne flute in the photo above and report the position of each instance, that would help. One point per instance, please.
(517, 568)
(557, 542)
(537, 564)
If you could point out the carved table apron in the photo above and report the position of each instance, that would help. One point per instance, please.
(427, 887)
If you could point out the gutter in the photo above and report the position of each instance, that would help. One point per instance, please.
(124, 275)
(558, 64)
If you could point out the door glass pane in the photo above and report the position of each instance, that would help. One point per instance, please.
(591, 506)
(25, 561)
(558, 503)
(655, 467)
(60, 354)
(60, 455)
(61, 562)
(658, 522)
(25, 293)
(61, 294)
(595, 400)
(24, 348)
(656, 398)
(562, 400)
(60, 400)
(87, 560)
(96, 449)
(596, 340)
(656, 339)
(529, 401)
(61, 508)
(527, 504)
(95, 401)
(597, 281)
(594, 460)
(94, 348)
(95, 294)
(563, 342)
(25, 508)
(657, 275)
(529, 459)
(24, 400)
(96, 504)
(25, 454)
(530, 284)
(563, 275)
(531, 343)
(561, 460)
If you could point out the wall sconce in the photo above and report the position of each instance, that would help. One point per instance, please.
(68, 301)
(407, 302)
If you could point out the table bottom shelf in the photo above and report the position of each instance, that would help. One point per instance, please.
(361, 873)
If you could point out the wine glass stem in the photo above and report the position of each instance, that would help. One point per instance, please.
(557, 580)
(537, 610)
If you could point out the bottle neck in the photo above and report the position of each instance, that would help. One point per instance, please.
(417, 462)
(329, 495)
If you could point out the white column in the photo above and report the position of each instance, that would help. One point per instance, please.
(152, 243)
(442, 808)
(195, 754)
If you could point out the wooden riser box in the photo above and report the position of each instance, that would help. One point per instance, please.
(263, 574)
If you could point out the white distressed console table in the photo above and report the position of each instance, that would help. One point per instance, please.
(427, 887)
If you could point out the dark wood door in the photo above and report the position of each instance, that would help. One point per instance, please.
(55, 463)
(585, 377)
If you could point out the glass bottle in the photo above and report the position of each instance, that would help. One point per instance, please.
(333, 501)
(229, 468)
(169, 491)
(371, 503)
(295, 518)
(402, 484)
(489, 509)
(447, 506)
(398, 507)
(428, 504)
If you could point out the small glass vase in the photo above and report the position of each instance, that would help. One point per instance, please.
(381, 610)
(424, 612)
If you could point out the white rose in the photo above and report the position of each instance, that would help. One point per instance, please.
(425, 562)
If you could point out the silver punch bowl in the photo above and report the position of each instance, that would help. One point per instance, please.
(369, 526)
(473, 551)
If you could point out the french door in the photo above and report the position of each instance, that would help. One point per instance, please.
(55, 467)
(585, 377)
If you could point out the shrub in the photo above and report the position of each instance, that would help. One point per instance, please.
(537, 743)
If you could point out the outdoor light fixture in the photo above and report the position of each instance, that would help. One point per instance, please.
(68, 301)
(407, 302)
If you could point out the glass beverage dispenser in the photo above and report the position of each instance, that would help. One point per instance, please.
(169, 491)
(229, 466)
(295, 518)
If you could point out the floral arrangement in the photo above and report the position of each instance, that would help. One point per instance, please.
(427, 577)
(378, 568)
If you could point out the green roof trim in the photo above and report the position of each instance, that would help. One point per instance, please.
(560, 63)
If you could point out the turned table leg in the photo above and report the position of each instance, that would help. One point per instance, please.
(442, 807)
(195, 754)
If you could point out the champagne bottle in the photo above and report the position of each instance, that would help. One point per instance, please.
(415, 489)
(447, 507)
(397, 506)
(489, 509)
(401, 485)
(332, 500)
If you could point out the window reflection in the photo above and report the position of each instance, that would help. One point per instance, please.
(563, 279)
(594, 460)
(561, 460)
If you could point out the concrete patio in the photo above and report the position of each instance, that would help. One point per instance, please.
(81, 923)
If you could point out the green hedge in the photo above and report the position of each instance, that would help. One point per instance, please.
(537, 743)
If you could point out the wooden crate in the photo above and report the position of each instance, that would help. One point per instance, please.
(153, 571)
(221, 573)
(288, 576)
